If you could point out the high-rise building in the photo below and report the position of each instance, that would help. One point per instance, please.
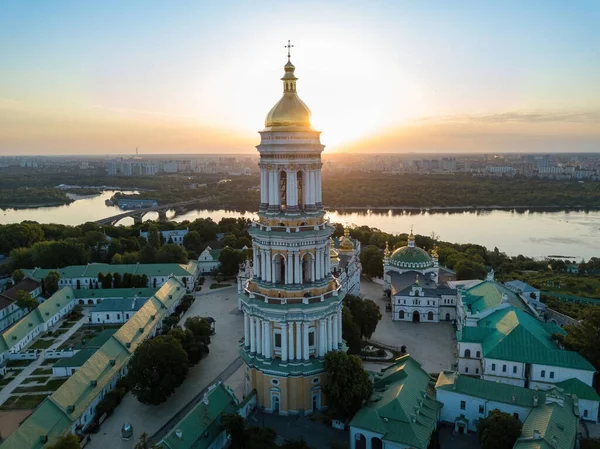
(291, 302)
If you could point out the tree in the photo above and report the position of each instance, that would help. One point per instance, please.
(95, 242)
(58, 254)
(365, 313)
(192, 241)
(199, 327)
(148, 254)
(371, 259)
(145, 443)
(584, 337)
(158, 366)
(154, 239)
(171, 253)
(235, 427)
(130, 257)
(25, 301)
(117, 280)
(116, 259)
(230, 260)
(20, 258)
(68, 441)
(51, 282)
(499, 430)
(468, 269)
(351, 332)
(348, 384)
(18, 275)
(194, 349)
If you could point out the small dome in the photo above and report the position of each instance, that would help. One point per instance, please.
(346, 243)
(411, 257)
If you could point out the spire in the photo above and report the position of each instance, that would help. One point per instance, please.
(386, 252)
(289, 79)
(411, 238)
(289, 46)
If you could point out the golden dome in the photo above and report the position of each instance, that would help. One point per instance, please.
(290, 113)
(346, 243)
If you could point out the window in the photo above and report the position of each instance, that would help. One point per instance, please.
(118, 316)
(585, 413)
(503, 368)
(278, 340)
(478, 354)
(476, 370)
(108, 316)
(493, 367)
(481, 410)
(466, 369)
(543, 374)
(516, 415)
(311, 339)
(467, 353)
(551, 374)
(463, 405)
(514, 370)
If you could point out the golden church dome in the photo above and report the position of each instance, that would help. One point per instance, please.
(346, 243)
(290, 113)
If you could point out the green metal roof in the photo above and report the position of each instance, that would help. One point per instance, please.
(408, 254)
(114, 293)
(485, 389)
(202, 425)
(94, 269)
(556, 423)
(98, 340)
(488, 294)
(78, 359)
(48, 420)
(517, 336)
(215, 253)
(400, 391)
(41, 314)
(578, 388)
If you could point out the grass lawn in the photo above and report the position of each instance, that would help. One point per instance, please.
(52, 385)
(42, 371)
(217, 285)
(29, 401)
(18, 363)
(67, 324)
(5, 381)
(40, 379)
(41, 344)
(47, 362)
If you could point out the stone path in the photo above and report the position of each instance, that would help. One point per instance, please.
(26, 372)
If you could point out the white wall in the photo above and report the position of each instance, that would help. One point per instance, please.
(469, 365)
(452, 407)
(514, 373)
(591, 407)
(560, 374)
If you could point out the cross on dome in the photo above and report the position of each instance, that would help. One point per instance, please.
(289, 46)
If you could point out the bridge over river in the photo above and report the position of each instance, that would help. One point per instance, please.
(138, 214)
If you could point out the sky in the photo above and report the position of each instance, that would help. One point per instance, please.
(379, 76)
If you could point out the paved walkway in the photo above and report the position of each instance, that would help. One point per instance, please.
(221, 304)
(26, 372)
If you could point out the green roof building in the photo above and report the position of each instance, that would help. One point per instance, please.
(402, 411)
(201, 427)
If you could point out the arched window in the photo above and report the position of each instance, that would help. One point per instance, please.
(467, 353)
(401, 315)
(478, 354)
(283, 189)
(430, 316)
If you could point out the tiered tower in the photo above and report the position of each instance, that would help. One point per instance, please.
(291, 303)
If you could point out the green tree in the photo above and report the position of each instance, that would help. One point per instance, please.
(499, 430)
(235, 427)
(194, 349)
(230, 260)
(351, 332)
(158, 366)
(584, 337)
(18, 275)
(371, 259)
(58, 254)
(130, 257)
(154, 237)
(348, 384)
(25, 301)
(365, 313)
(20, 258)
(171, 253)
(192, 241)
(117, 280)
(199, 327)
(51, 282)
(96, 244)
(468, 269)
(148, 254)
(67, 441)
(145, 442)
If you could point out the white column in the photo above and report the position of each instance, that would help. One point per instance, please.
(324, 266)
(273, 271)
(246, 330)
(288, 269)
(255, 266)
(319, 258)
(258, 336)
(291, 341)
(292, 189)
(318, 186)
(329, 333)
(252, 335)
(267, 336)
(264, 189)
(339, 318)
(298, 269)
(268, 263)
(313, 273)
(298, 340)
(276, 193)
(263, 265)
(305, 343)
(336, 341)
(322, 338)
(284, 342)
(305, 187)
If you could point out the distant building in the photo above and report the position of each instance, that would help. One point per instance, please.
(9, 311)
(209, 259)
(116, 310)
(170, 236)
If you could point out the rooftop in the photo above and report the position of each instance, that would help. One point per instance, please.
(127, 304)
(488, 294)
(26, 284)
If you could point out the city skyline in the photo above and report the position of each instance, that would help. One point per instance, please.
(379, 77)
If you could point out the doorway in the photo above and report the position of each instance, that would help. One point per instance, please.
(416, 317)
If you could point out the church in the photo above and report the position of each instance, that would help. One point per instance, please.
(411, 280)
(291, 292)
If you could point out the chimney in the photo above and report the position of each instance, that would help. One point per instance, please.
(504, 297)
(536, 435)
(514, 397)
(179, 433)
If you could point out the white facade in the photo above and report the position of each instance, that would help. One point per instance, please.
(543, 376)
(173, 236)
(208, 260)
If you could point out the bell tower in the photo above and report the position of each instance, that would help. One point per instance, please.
(292, 304)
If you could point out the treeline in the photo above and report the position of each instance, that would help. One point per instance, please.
(26, 197)
(31, 244)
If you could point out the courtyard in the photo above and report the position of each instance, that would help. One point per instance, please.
(432, 344)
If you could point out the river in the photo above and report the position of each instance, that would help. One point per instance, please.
(536, 234)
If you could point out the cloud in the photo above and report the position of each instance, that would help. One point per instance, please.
(521, 117)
